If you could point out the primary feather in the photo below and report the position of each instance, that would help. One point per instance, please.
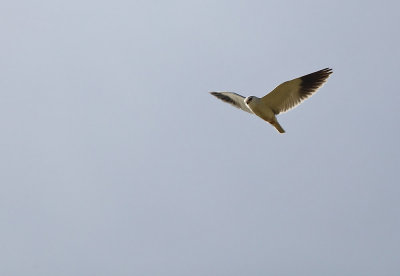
(291, 93)
(232, 98)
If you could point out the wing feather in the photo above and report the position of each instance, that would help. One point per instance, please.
(232, 98)
(291, 93)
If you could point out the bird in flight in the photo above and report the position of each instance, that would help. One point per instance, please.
(284, 97)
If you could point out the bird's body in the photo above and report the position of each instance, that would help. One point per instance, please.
(264, 111)
(283, 98)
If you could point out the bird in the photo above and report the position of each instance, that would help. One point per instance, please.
(283, 98)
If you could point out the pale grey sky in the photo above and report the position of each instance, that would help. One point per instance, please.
(115, 160)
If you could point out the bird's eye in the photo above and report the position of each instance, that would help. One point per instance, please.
(249, 100)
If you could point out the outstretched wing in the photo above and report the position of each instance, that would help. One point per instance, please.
(233, 99)
(291, 93)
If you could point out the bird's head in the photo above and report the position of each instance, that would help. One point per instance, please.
(249, 99)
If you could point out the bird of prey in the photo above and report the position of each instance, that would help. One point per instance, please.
(283, 98)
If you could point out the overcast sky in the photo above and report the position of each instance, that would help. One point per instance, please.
(115, 159)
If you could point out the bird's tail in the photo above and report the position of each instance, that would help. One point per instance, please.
(278, 127)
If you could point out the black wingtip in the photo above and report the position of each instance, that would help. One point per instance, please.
(313, 81)
(223, 98)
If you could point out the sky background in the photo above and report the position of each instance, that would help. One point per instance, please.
(115, 160)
